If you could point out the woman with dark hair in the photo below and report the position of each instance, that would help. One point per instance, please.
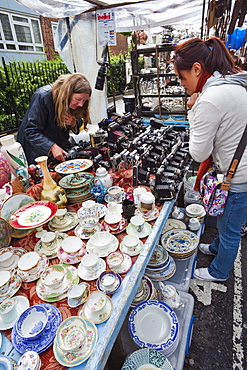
(217, 116)
(54, 110)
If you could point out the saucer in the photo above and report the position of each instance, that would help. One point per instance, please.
(64, 295)
(47, 292)
(41, 248)
(81, 355)
(132, 253)
(141, 234)
(163, 275)
(108, 200)
(27, 277)
(22, 305)
(106, 227)
(115, 286)
(6, 363)
(88, 276)
(15, 284)
(75, 302)
(147, 291)
(151, 217)
(84, 234)
(18, 252)
(173, 223)
(101, 209)
(42, 342)
(66, 258)
(125, 265)
(97, 316)
(111, 247)
(71, 220)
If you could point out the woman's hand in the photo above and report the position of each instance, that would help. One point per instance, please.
(58, 153)
(192, 100)
(70, 120)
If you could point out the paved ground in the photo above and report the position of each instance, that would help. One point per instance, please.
(219, 339)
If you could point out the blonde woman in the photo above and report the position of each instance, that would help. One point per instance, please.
(54, 110)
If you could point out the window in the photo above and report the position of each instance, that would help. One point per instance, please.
(54, 29)
(20, 33)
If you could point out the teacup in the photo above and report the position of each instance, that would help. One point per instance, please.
(101, 239)
(96, 301)
(88, 223)
(89, 261)
(8, 309)
(137, 222)
(29, 262)
(137, 194)
(90, 207)
(147, 203)
(78, 291)
(113, 220)
(72, 337)
(114, 207)
(49, 240)
(60, 216)
(170, 295)
(5, 278)
(115, 259)
(107, 280)
(115, 194)
(71, 245)
(6, 257)
(53, 276)
(32, 322)
(131, 242)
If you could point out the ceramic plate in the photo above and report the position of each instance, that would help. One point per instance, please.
(5, 233)
(141, 234)
(95, 316)
(12, 204)
(159, 257)
(165, 274)
(153, 324)
(181, 241)
(41, 249)
(6, 363)
(33, 214)
(172, 223)
(73, 166)
(43, 341)
(125, 265)
(146, 356)
(147, 293)
(111, 247)
(71, 221)
(76, 180)
(101, 209)
(14, 286)
(78, 357)
(85, 235)
(22, 305)
(89, 276)
(131, 253)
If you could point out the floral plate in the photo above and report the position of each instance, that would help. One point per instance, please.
(71, 221)
(77, 180)
(41, 249)
(73, 166)
(14, 286)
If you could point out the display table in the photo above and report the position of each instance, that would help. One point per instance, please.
(122, 299)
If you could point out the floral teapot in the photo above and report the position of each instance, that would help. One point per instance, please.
(103, 177)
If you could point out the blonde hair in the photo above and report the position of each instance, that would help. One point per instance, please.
(62, 90)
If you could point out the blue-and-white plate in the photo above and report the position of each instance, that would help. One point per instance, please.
(44, 341)
(146, 356)
(153, 324)
(163, 274)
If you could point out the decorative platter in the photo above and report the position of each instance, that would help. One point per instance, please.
(33, 214)
(179, 241)
(73, 166)
(75, 181)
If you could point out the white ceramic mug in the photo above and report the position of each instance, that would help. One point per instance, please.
(137, 222)
(170, 295)
(115, 259)
(8, 309)
(194, 224)
(53, 277)
(6, 257)
(89, 223)
(96, 301)
(137, 194)
(89, 207)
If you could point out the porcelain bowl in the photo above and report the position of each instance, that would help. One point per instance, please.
(32, 322)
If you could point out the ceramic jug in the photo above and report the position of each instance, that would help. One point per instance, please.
(13, 152)
(51, 191)
(104, 177)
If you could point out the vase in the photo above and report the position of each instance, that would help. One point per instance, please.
(51, 191)
(13, 152)
(5, 172)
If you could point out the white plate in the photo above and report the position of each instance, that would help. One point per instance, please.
(173, 223)
(22, 305)
(85, 275)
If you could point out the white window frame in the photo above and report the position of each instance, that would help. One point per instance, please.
(34, 45)
(54, 26)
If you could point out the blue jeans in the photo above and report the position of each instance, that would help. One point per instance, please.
(226, 245)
